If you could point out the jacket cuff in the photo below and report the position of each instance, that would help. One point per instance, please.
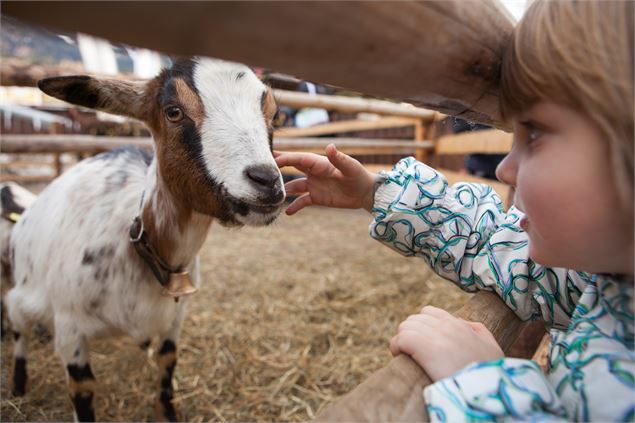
(400, 185)
(385, 194)
(507, 387)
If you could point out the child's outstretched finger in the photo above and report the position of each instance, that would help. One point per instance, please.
(346, 164)
(301, 161)
(299, 203)
(297, 186)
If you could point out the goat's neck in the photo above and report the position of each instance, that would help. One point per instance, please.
(175, 230)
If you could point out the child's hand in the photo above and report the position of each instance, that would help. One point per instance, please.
(443, 344)
(336, 180)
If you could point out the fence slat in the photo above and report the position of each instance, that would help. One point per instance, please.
(442, 55)
(393, 394)
(299, 100)
(346, 126)
(490, 141)
(90, 144)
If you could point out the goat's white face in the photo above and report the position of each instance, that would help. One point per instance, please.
(211, 122)
(235, 137)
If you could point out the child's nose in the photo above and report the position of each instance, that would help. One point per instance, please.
(507, 169)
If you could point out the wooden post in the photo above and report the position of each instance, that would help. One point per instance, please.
(424, 132)
(394, 393)
(541, 356)
(57, 162)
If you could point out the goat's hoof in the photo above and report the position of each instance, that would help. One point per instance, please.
(18, 391)
(20, 378)
(165, 412)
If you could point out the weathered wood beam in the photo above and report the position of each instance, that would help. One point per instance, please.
(541, 355)
(20, 73)
(298, 100)
(394, 393)
(30, 144)
(27, 179)
(89, 144)
(442, 55)
(342, 126)
(490, 141)
(352, 146)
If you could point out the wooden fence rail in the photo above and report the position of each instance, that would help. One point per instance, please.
(89, 144)
(442, 55)
(84, 145)
(394, 393)
(299, 100)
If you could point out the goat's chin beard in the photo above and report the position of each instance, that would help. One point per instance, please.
(250, 219)
(239, 211)
(254, 215)
(236, 213)
(258, 219)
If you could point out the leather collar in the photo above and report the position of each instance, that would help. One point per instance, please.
(161, 270)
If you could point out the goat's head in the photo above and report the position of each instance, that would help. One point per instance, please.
(212, 125)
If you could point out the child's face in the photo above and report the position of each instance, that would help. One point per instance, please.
(560, 167)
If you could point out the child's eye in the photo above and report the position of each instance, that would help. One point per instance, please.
(533, 132)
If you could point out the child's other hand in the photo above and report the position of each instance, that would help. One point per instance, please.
(443, 344)
(336, 180)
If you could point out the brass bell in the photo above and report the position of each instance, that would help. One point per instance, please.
(179, 285)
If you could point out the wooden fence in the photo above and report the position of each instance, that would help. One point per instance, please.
(386, 115)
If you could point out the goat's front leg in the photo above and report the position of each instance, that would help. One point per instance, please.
(73, 350)
(21, 325)
(3, 327)
(166, 361)
(19, 367)
(166, 357)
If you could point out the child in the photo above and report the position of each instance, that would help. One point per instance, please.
(563, 253)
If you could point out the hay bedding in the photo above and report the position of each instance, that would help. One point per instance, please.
(289, 318)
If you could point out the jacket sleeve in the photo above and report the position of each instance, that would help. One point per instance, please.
(462, 232)
(507, 388)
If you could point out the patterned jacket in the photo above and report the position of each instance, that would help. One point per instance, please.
(463, 234)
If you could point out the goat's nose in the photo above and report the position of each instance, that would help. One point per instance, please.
(263, 176)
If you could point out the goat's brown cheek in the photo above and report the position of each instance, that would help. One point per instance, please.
(186, 180)
(172, 160)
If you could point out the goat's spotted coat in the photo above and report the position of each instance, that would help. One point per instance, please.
(74, 267)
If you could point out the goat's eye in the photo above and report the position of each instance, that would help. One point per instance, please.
(173, 113)
(278, 119)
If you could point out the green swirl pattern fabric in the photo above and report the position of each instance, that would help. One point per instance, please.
(462, 232)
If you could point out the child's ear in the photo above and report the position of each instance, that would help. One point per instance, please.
(108, 95)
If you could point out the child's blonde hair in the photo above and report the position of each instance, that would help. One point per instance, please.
(578, 54)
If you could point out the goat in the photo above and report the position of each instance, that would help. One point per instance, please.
(87, 255)
(14, 199)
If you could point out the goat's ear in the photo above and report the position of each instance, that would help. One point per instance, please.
(108, 95)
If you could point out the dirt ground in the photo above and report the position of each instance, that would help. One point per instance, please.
(289, 318)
